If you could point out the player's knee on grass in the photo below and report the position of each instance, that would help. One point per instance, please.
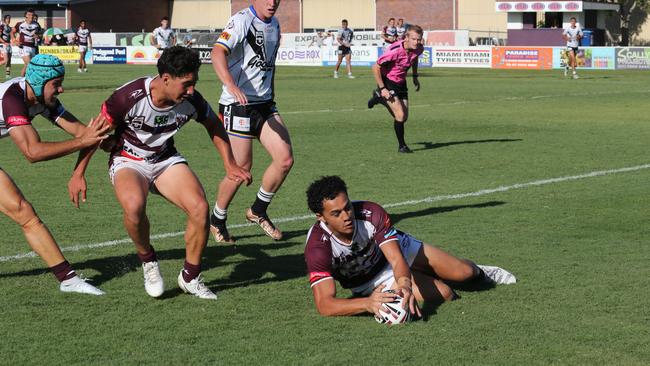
(198, 212)
(20, 211)
(134, 211)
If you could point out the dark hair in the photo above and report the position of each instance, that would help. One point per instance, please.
(416, 28)
(326, 188)
(30, 10)
(389, 19)
(6, 16)
(179, 61)
(164, 18)
(82, 21)
(344, 21)
(573, 18)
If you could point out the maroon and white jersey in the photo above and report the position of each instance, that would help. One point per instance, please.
(5, 32)
(14, 110)
(351, 264)
(145, 132)
(28, 33)
(82, 36)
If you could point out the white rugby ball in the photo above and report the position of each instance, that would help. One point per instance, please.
(391, 313)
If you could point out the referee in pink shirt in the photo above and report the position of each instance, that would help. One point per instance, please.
(390, 74)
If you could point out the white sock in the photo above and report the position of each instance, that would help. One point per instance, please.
(219, 213)
(264, 195)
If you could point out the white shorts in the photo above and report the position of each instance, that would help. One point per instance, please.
(410, 247)
(149, 170)
(7, 48)
(26, 51)
(83, 48)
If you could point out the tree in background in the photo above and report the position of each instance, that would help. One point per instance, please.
(633, 14)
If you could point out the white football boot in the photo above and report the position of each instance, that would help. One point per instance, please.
(196, 287)
(499, 275)
(79, 285)
(336, 74)
(153, 281)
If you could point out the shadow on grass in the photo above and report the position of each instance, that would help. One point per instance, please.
(258, 265)
(430, 145)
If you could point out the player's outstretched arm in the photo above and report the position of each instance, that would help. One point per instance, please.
(220, 66)
(402, 274)
(329, 305)
(222, 143)
(35, 150)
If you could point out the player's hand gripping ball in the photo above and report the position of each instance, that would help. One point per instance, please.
(393, 312)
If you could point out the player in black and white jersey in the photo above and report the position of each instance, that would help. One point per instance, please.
(21, 100)
(84, 41)
(355, 243)
(163, 37)
(5, 41)
(572, 35)
(26, 35)
(146, 113)
(244, 60)
(344, 38)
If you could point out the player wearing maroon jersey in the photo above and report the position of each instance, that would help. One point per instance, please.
(356, 244)
(27, 34)
(21, 99)
(146, 113)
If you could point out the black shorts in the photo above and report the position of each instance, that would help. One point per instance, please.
(344, 50)
(574, 49)
(246, 121)
(399, 90)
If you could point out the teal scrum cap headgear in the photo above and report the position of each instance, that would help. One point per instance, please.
(41, 69)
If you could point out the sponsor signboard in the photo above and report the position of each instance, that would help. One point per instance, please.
(67, 54)
(361, 56)
(205, 54)
(299, 56)
(462, 57)
(109, 55)
(539, 58)
(538, 6)
(597, 58)
(144, 55)
(423, 61)
(104, 39)
(636, 58)
(361, 38)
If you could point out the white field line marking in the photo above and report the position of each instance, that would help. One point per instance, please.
(483, 192)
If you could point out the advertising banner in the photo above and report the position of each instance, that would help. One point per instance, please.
(205, 54)
(299, 56)
(635, 58)
(425, 59)
(144, 55)
(532, 58)
(538, 6)
(361, 38)
(597, 58)
(361, 56)
(109, 55)
(462, 57)
(104, 40)
(67, 54)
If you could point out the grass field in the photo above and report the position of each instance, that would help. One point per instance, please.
(578, 246)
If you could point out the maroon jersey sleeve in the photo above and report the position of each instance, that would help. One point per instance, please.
(201, 105)
(17, 27)
(380, 220)
(318, 256)
(117, 106)
(14, 110)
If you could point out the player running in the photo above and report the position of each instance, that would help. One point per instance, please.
(5, 41)
(572, 35)
(26, 34)
(344, 38)
(355, 243)
(244, 60)
(163, 37)
(390, 74)
(84, 41)
(146, 113)
(389, 32)
(22, 100)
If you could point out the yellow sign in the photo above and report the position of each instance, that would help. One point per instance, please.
(64, 53)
